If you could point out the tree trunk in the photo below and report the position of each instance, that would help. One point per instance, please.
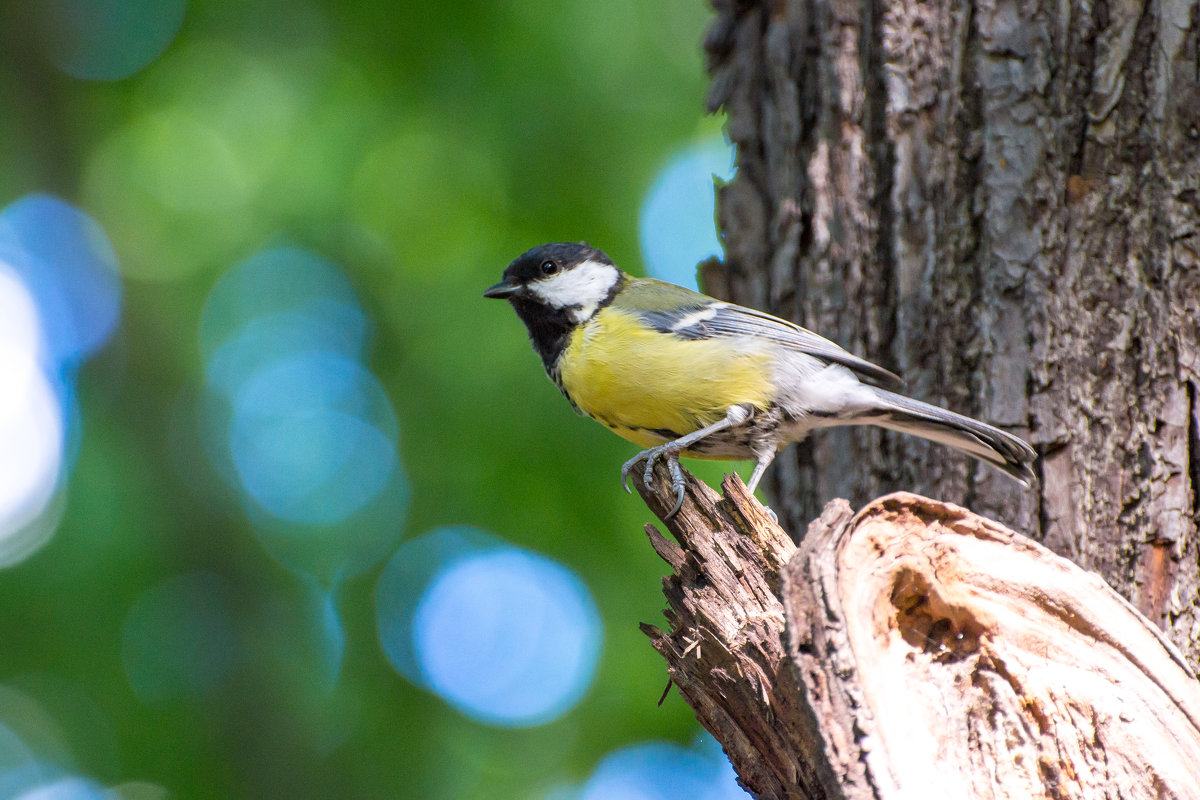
(915, 650)
(998, 200)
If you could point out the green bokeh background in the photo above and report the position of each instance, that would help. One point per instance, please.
(420, 146)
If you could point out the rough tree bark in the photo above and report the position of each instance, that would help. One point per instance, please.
(999, 200)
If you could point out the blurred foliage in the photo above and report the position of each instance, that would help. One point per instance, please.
(420, 147)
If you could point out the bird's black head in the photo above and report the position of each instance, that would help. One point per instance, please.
(555, 287)
(560, 275)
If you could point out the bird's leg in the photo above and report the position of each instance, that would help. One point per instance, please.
(670, 451)
(764, 460)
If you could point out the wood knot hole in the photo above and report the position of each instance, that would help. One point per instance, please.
(928, 622)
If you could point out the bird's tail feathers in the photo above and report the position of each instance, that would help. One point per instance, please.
(992, 445)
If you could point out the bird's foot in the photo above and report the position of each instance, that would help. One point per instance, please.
(668, 453)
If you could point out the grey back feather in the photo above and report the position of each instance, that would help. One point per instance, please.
(681, 312)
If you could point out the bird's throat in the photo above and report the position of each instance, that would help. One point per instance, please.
(549, 330)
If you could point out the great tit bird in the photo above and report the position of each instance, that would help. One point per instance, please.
(680, 373)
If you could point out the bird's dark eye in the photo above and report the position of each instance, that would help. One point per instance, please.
(549, 268)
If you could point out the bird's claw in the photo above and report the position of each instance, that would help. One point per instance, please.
(671, 455)
(628, 466)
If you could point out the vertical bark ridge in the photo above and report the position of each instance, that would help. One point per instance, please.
(885, 327)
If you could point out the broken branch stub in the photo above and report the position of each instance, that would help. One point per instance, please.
(915, 649)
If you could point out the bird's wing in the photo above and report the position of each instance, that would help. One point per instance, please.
(681, 312)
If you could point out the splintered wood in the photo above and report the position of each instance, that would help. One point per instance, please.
(916, 650)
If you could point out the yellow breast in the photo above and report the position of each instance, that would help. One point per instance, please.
(642, 383)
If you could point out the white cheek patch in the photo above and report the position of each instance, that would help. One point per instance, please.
(582, 287)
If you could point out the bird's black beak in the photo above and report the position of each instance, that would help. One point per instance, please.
(502, 290)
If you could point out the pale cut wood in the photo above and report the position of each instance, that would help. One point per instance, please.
(983, 665)
(916, 650)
